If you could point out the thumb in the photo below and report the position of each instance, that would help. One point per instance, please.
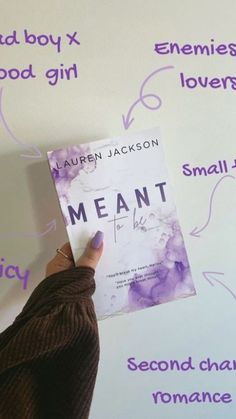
(93, 252)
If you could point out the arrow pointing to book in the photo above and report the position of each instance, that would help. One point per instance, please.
(36, 153)
(51, 226)
(127, 120)
(209, 276)
(195, 232)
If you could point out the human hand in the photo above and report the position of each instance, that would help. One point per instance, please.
(89, 258)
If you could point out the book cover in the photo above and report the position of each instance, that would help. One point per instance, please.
(121, 186)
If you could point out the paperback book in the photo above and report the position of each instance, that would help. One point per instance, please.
(121, 186)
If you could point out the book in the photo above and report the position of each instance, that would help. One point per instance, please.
(121, 186)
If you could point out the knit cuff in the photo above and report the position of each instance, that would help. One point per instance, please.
(61, 287)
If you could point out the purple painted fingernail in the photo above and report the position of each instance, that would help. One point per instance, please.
(97, 240)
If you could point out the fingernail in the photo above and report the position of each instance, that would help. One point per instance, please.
(97, 240)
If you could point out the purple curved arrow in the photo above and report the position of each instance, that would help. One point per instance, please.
(37, 152)
(141, 95)
(51, 226)
(195, 232)
(205, 274)
(127, 120)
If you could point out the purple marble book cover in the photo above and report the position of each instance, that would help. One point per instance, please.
(121, 186)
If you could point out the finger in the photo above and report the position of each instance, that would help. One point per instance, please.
(93, 252)
(59, 262)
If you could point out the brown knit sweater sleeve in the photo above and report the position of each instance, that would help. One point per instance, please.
(49, 355)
